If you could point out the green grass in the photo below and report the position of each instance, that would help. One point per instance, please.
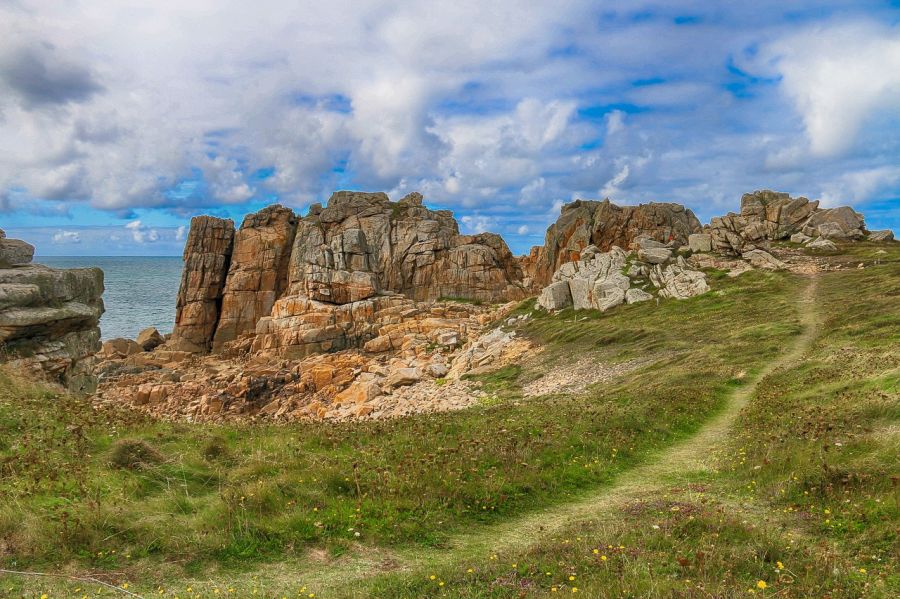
(231, 502)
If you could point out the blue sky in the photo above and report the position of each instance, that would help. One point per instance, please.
(120, 121)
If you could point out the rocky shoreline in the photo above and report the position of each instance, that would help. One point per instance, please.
(367, 308)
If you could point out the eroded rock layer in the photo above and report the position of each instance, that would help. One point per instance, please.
(49, 318)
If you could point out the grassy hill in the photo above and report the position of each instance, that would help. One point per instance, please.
(754, 450)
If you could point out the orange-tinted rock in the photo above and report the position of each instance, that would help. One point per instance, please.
(207, 254)
(257, 275)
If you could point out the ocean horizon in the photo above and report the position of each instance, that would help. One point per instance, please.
(140, 291)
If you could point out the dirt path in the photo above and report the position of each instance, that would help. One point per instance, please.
(692, 457)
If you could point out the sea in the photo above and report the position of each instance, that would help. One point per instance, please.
(140, 291)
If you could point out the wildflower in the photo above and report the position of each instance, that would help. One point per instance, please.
(572, 577)
(603, 557)
(432, 577)
(780, 565)
(596, 551)
(761, 584)
(469, 571)
(553, 589)
(574, 589)
(514, 565)
(862, 570)
(441, 583)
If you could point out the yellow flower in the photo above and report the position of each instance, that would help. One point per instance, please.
(603, 557)
(780, 565)
(571, 578)
(761, 584)
(514, 565)
(44, 596)
(432, 577)
(596, 551)
(574, 589)
(862, 570)
(553, 589)
(441, 583)
(469, 571)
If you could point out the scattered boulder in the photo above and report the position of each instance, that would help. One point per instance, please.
(120, 347)
(763, 259)
(654, 255)
(883, 235)
(402, 377)
(555, 296)
(800, 238)
(700, 242)
(635, 295)
(678, 282)
(822, 244)
(149, 339)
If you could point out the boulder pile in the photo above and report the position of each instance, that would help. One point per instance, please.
(49, 318)
(603, 280)
(768, 215)
(603, 224)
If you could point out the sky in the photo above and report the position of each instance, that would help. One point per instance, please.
(121, 120)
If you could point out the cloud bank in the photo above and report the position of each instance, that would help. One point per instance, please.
(501, 111)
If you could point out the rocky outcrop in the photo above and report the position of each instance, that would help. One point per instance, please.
(604, 225)
(768, 215)
(49, 318)
(883, 235)
(311, 284)
(604, 280)
(257, 275)
(362, 244)
(207, 257)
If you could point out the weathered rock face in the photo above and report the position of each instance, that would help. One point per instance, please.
(603, 224)
(314, 284)
(362, 244)
(207, 257)
(257, 275)
(49, 318)
(768, 215)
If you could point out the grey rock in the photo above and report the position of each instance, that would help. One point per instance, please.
(635, 295)
(700, 242)
(555, 296)
(800, 238)
(674, 281)
(763, 259)
(654, 255)
(822, 244)
(883, 235)
(606, 297)
(15, 252)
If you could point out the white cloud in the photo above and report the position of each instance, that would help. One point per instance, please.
(478, 223)
(611, 188)
(523, 230)
(180, 233)
(66, 237)
(838, 76)
(615, 122)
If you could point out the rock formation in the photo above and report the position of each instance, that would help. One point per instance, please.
(49, 318)
(258, 272)
(604, 225)
(314, 283)
(768, 215)
(207, 256)
(604, 280)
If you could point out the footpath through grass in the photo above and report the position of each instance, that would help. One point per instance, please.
(260, 507)
(799, 498)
